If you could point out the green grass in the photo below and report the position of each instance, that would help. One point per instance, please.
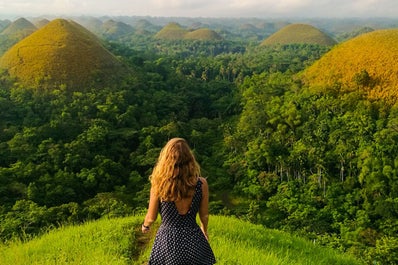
(118, 241)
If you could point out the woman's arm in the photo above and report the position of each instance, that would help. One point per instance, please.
(204, 207)
(152, 213)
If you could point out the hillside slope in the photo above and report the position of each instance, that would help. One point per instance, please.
(368, 61)
(119, 241)
(62, 52)
(299, 33)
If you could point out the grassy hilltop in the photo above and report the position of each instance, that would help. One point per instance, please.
(299, 33)
(61, 52)
(119, 241)
(368, 61)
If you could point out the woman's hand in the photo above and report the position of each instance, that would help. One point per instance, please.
(145, 229)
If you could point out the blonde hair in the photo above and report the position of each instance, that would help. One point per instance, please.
(167, 185)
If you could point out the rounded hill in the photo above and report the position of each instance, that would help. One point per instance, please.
(299, 33)
(115, 29)
(172, 31)
(202, 34)
(62, 52)
(368, 61)
(19, 29)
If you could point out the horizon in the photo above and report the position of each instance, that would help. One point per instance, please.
(305, 9)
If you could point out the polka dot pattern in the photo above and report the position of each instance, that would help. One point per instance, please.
(179, 239)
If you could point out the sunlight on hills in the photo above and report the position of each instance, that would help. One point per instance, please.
(373, 55)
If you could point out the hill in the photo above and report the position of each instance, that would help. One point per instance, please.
(116, 29)
(41, 22)
(4, 23)
(119, 241)
(202, 34)
(299, 33)
(62, 52)
(172, 31)
(19, 29)
(366, 62)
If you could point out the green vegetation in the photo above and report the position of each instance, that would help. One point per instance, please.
(282, 149)
(119, 241)
(299, 33)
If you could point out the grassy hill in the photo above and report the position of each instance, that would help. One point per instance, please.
(116, 29)
(19, 29)
(62, 52)
(172, 31)
(202, 34)
(119, 241)
(299, 33)
(368, 61)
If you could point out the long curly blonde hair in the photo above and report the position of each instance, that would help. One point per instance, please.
(176, 172)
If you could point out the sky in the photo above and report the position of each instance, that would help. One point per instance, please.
(204, 8)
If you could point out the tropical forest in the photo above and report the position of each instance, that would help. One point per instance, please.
(294, 124)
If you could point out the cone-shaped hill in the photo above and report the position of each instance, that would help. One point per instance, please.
(62, 52)
(202, 34)
(4, 24)
(19, 29)
(172, 31)
(115, 29)
(368, 61)
(299, 33)
(41, 23)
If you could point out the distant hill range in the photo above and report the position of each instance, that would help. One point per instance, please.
(174, 31)
(368, 61)
(62, 52)
(299, 33)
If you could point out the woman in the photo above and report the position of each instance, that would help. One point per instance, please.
(179, 192)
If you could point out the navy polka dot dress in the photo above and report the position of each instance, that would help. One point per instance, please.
(179, 239)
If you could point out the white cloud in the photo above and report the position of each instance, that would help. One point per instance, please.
(206, 8)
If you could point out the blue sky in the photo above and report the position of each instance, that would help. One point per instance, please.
(204, 8)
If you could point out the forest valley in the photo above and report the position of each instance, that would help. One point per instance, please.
(321, 164)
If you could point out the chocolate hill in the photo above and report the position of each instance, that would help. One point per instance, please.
(299, 33)
(202, 34)
(62, 52)
(368, 61)
(115, 29)
(19, 29)
(174, 31)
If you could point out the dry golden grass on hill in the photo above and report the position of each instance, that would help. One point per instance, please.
(374, 53)
(299, 33)
(62, 52)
